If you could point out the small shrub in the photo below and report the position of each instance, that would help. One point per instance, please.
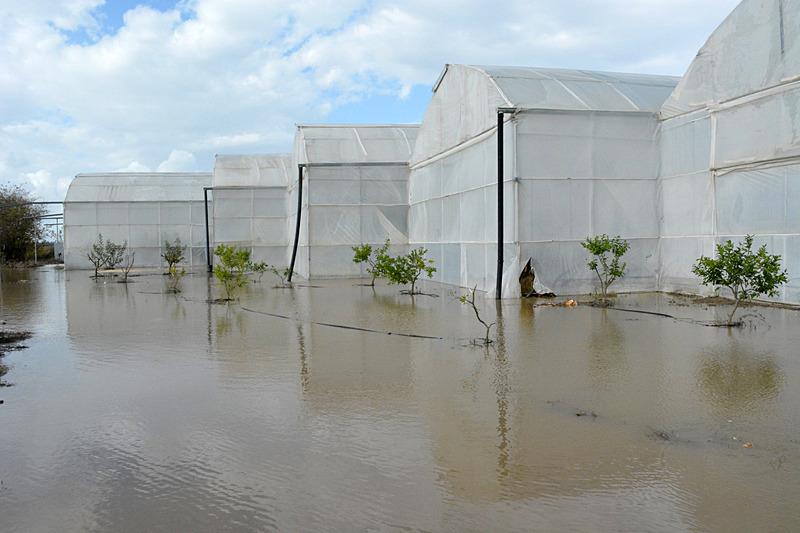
(259, 268)
(745, 273)
(407, 269)
(115, 253)
(607, 252)
(375, 259)
(173, 254)
(283, 275)
(231, 270)
(469, 299)
(97, 254)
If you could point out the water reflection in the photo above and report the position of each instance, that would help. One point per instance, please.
(737, 377)
(164, 412)
(607, 349)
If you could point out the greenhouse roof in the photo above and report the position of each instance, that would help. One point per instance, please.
(545, 88)
(138, 187)
(259, 170)
(374, 143)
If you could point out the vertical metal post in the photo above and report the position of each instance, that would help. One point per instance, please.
(499, 287)
(208, 238)
(297, 224)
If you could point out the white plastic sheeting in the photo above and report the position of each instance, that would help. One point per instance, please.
(756, 47)
(355, 191)
(729, 148)
(145, 210)
(250, 207)
(466, 98)
(580, 158)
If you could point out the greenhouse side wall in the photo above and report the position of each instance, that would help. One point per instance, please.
(255, 219)
(350, 205)
(730, 149)
(686, 200)
(720, 181)
(145, 226)
(586, 173)
(453, 213)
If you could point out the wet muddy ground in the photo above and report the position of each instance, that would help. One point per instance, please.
(134, 410)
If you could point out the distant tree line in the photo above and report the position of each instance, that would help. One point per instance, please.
(20, 223)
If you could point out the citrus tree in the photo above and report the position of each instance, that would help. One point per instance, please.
(407, 269)
(231, 269)
(374, 258)
(745, 273)
(606, 262)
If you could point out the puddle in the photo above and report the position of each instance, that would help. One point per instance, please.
(344, 408)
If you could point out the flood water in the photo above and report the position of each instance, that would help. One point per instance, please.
(134, 410)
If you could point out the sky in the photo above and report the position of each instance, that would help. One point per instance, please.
(164, 85)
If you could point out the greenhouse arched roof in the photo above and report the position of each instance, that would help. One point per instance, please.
(138, 187)
(547, 88)
(756, 47)
(374, 143)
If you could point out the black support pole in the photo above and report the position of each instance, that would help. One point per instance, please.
(499, 288)
(208, 238)
(297, 225)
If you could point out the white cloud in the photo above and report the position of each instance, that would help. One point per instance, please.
(134, 166)
(178, 161)
(236, 75)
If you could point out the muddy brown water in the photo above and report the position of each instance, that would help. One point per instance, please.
(133, 410)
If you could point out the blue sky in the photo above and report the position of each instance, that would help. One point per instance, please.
(147, 85)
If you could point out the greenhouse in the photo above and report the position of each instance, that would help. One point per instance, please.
(143, 209)
(356, 191)
(579, 157)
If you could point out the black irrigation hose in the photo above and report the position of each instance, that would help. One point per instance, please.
(342, 326)
(677, 319)
(644, 312)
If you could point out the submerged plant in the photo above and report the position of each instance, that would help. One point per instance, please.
(174, 280)
(97, 254)
(231, 270)
(173, 254)
(375, 259)
(259, 268)
(607, 252)
(115, 253)
(127, 265)
(407, 269)
(745, 273)
(283, 275)
(469, 299)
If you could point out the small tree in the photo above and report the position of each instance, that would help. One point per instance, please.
(115, 253)
(407, 269)
(607, 252)
(283, 275)
(745, 273)
(20, 222)
(469, 299)
(173, 254)
(127, 265)
(259, 268)
(97, 254)
(375, 259)
(231, 270)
